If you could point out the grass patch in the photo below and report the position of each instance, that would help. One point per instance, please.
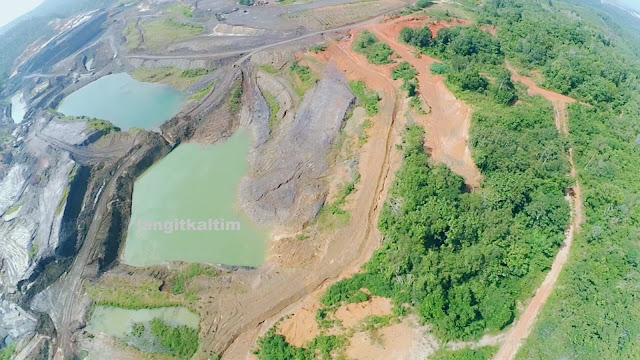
(416, 104)
(333, 215)
(181, 341)
(202, 93)
(235, 99)
(12, 209)
(163, 31)
(102, 125)
(318, 48)
(274, 108)
(33, 251)
(130, 293)
(483, 353)
(172, 76)
(132, 36)
(362, 132)
(7, 352)
(303, 78)
(180, 280)
(269, 68)
(375, 51)
(180, 9)
(438, 68)
(369, 98)
(63, 200)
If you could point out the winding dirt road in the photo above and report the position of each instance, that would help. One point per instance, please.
(522, 328)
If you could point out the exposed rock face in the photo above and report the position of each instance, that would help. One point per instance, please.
(14, 323)
(33, 198)
(286, 183)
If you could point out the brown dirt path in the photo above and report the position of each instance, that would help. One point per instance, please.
(522, 328)
(447, 124)
(302, 327)
(280, 290)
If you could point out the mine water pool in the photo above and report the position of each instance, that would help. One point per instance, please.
(197, 183)
(118, 322)
(18, 108)
(124, 101)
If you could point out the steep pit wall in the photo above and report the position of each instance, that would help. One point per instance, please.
(285, 185)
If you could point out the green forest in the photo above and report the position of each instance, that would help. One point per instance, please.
(590, 54)
(463, 259)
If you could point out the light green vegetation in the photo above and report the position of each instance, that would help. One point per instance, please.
(167, 330)
(198, 193)
(369, 98)
(274, 347)
(483, 353)
(12, 209)
(235, 98)
(123, 293)
(407, 73)
(63, 201)
(102, 125)
(160, 32)
(177, 78)
(181, 341)
(269, 68)
(318, 48)
(274, 108)
(438, 68)
(375, 51)
(332, 214)
(180, 280)
(133, 38)
(7, 352)
(362, 132)
(180, 9)
(303, 78)
(33, 251)
(202, 93)
(448, 11)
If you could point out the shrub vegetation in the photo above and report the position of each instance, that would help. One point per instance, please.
(375, 51)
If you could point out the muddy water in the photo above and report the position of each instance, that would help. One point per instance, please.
(124, 101)
(194, 183)
(117, 322)
(18, 108)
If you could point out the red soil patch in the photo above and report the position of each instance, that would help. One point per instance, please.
(447, 124)
(351, 314)
(491, 29)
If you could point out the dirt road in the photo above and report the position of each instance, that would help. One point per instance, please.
(279, 284)
(522, 328)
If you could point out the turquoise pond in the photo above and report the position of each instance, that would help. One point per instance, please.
(124, 101)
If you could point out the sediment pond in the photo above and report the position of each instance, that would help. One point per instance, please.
(180, 202)
(124, 101)
(118, 322)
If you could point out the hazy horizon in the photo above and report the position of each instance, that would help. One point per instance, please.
(13, 10)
